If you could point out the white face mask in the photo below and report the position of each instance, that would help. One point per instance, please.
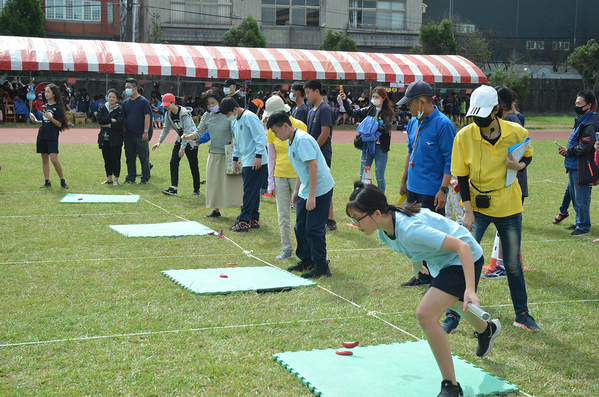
(226, 90)
(375, 102)
(420, 112)
(129, 91)
(291, 97)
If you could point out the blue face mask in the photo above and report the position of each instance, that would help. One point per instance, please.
(129, 91)
(232, 118)
(291, 97)
(226, 90)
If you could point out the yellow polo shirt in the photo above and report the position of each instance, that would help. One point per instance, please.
(283, 167)
(484, 164)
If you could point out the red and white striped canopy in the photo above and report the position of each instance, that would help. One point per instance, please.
(27, 53)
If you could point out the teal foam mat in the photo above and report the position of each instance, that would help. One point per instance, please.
(239, 279)
(171, 229)
(400, 369)
(75, 198)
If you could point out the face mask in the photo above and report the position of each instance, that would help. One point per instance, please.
(226, 90)
(232, 118)
(483, 122)
(129, 91)
(578, 110)
(375, 102)
(291, 97)
(420, 112)
(106, 98)
(214, 109)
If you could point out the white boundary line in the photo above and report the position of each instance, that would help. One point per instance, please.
(176, 331)
(45, 216)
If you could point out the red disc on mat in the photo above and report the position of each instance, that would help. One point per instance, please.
(224, 276)
(344, 353)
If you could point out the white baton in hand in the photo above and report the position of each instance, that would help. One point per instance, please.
(478, 312)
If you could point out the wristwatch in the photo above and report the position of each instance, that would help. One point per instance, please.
(444, 189)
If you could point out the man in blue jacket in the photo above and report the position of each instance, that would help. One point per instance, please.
(580, 145)
(427, 169)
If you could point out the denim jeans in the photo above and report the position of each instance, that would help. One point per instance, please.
(566, 200)
(510, 232)
(581, 201)
(380, 159)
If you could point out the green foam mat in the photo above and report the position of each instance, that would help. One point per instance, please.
(239, 279)
(75, 198)
(170, 229)
(399, 369)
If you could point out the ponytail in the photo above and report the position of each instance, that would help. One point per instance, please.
(368, 198)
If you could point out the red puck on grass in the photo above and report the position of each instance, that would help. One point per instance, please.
(344, 353)
(210, 232)
(350, 345)
(224, 276)
(232, 264)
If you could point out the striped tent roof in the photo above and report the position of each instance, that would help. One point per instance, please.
(28, 53)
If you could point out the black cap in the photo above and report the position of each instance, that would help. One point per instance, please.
(229, 82)
(415, 90)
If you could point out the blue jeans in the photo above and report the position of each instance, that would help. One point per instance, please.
(581, 201)
(510, 233)
(380, 159)
(252, 180)
(566, 200)
(310, 231)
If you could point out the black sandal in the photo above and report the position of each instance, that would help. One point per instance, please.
(560, 217)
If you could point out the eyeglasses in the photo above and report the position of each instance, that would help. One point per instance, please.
(357, 221)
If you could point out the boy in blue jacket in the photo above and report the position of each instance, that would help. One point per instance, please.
(313, 194)
(250, 147)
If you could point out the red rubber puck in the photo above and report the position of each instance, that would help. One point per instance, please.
(344, 353)
(232, 264)
(350, 345)
(80, 198)
(224, 276)
(210, 232)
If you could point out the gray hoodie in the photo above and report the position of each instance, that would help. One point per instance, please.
(186, 122)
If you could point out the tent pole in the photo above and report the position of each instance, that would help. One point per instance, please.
(178, 86)
(106, 77)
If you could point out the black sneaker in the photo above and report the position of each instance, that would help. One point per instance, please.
(414, 282)
(129, 181)
(213, 214)
(331, 225)
(485, 340)
(63, 184)
(254, 224)
(170, 191)
(240, 226)
(143, 182)
(303, 265)
(578, 232)
(196, 192)
(204, 181)
(448, 389)
(46, 184)
(572, 227)
(317, 272)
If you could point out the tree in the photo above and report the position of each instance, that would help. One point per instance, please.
(247, 34)
(22, 18)
(337, 41)
(474, 47)
(437, 39)
(585, 59)
(521, 85)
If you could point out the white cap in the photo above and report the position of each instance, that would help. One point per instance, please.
(273, 104)
(482, 101)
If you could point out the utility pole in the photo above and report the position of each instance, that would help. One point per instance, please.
(575, 23)
(134, 23)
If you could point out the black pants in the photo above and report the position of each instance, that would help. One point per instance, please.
(192, 157)
(112, 159)
(134, 147)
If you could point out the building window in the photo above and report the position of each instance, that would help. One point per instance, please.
(561, 45)
(110, 13)
(73, 10)
(377, 14)
(535, 45)
(464, 28)
(212, 12)
(291, 12)
(1, 4)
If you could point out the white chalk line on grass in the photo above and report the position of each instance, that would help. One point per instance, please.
(73, 215)
(176, 331)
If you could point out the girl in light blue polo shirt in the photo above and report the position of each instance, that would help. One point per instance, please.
(454, 260)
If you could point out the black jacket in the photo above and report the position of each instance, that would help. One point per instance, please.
(361, 114)
(115, 132)
(588, 171)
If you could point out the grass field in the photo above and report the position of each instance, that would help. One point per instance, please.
(86, 311)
